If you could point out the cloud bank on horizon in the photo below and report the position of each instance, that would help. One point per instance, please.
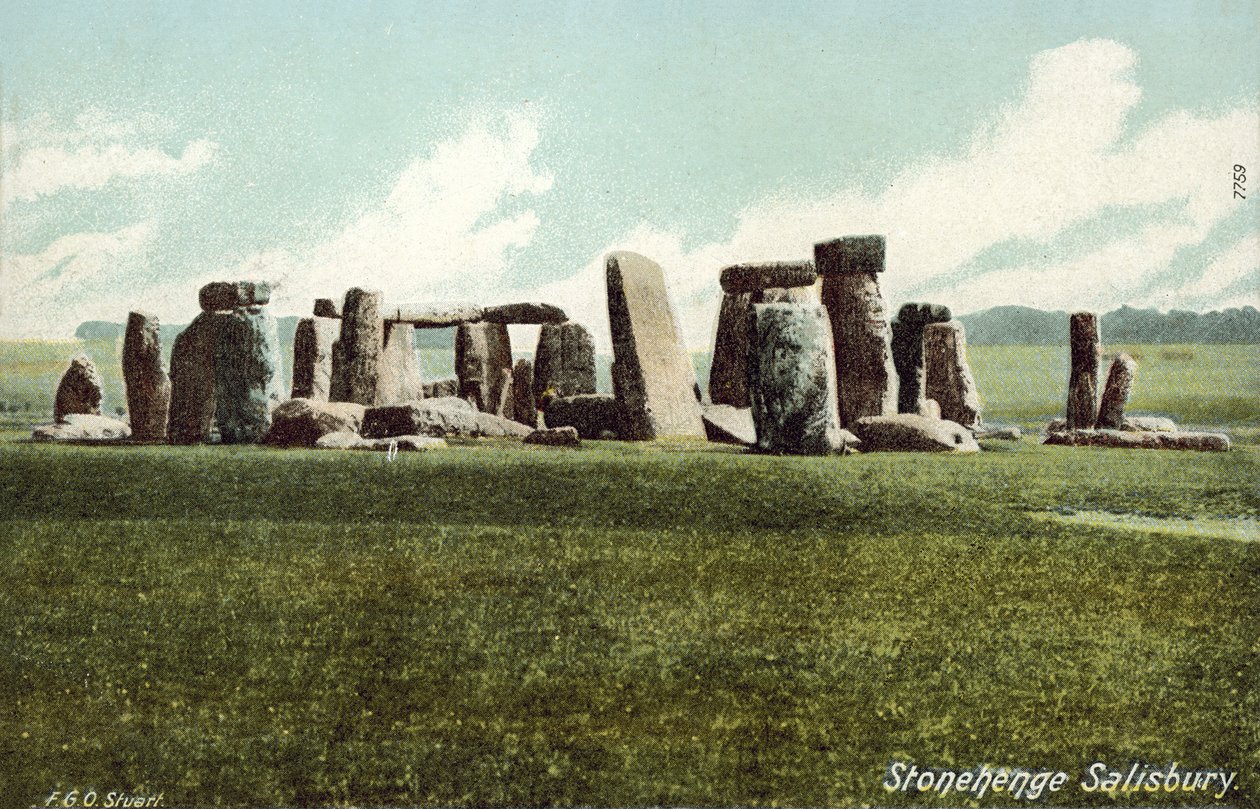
(1056, 202)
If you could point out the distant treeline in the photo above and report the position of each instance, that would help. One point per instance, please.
(1020, 325)
(287, 326)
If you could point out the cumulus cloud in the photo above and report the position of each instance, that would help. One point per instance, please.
(1058, 158)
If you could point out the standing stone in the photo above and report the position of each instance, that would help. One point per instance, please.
(79, 390)
(356, 365)
(652, 375)
(524, 405)
(247, 381)
(792, 375)
(400, 369)
(148, 386)
(947, 375)
(1082, 405)
(564, 361)
(907, 351)
(441, 389)
(326, 307)
(1116, 392)
(728, 373)
(483, 351)
(312, 357)
(865, 373)
(503, 408)
(192, 380)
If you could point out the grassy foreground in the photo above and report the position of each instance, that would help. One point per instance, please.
(616, 625)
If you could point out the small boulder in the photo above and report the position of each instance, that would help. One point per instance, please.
(79, 391)
(302, 422)
(910, 432)
(555, 437)
(344, 439)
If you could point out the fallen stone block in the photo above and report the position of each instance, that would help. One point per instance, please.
(434, 315)
(1120, 439)
(83, 427)
(555, 437)
(302, 422)
(594, 415)
(729, 425)
(910, 432)
(437, 417)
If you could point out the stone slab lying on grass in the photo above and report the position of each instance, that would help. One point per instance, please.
(910, 432)
(302, 422)
(729, 425)
(1122, 439)
(595, 415)
(995, 433)
(402, 443)
(83, 427)
(1132, 424)
(555, 437)
(437, 417)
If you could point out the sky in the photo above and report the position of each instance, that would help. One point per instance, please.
(1078, 156)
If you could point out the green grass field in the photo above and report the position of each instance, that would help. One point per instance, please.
(632, 624)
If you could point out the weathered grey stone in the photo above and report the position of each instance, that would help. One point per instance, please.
(399, 380)
(440, 417)
(524, 405)
(523, 313)
(947, 376)
(555, 437)
(740, 278)
(910, 432)
(79, 391)
(302, 422)
(850, 254)
(482, 352)
(219, 296)
(312, 357)
(653, 376)
(326, 307)
(995, 433)
(148, 386)
(247, 381)
(344, 439)
(728, 373)
(503, 408)
(929, 408)
(564, 360)
(907, 350)
(729, 425)
(1116, 392)
(1082, 403)
(356, 365)
(595, 415)
(1157, 424)
(83, 427)
(402, 443)
(1121, 439)
(192, 379)
(435, 315)
(792, 380)
(865, 375)
(441, 388)
(789, 295)
(253, 293)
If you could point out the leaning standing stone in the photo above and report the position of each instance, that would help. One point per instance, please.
(907, 350)
(728, 373)
(1082, 405)
(564, 361)
(192, 380)
(148, 386)
(865, 374)
(400, 369)
(1116, 393)
(652, 374)
(947, 375)
(356, 366)
(792, 380)
(483, 351)
(246, 375)
(79, 390)
(312, 357)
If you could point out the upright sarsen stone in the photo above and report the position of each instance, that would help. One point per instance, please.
(564, 361)
(79, 391)
(524, 405)
(356, 366)
(652, 375)
(148, 386)
(728, 373)
(312, 357)
(1082, 403)
(1116, 392)
(792, 377)
(865, 373)
(400, 369)
(192, 380)
(247, 382)
(947, 375)
(907, 351)
(483, 351)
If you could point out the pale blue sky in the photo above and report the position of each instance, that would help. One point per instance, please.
(150, 146)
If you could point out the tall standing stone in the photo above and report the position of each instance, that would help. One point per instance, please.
(1082, 405)
(148, 386)
(792, 376)
(400, 368)
(652, 374)
(907, 351)
(356, 366)
(947, 375)
(1116, 392)
(524, 405)
(312, 357)
(192, 380)
(728, 373)
(247, 382)
(79, 391)
(564, 361)
(865, 373)
(483, 351)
